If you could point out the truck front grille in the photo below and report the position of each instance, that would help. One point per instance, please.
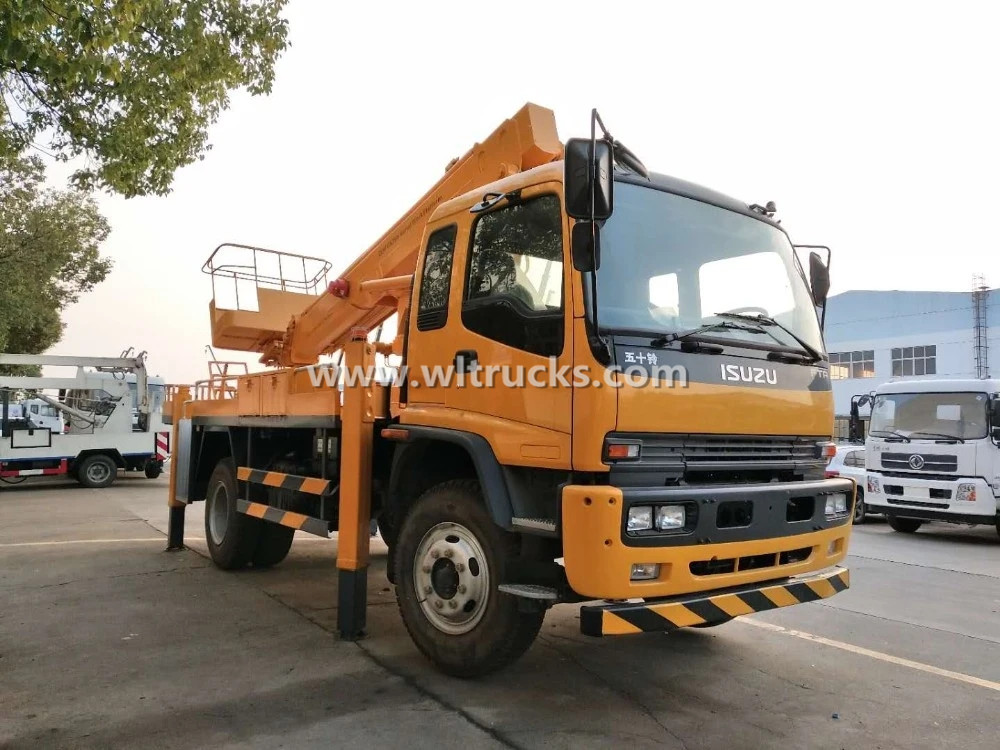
(926, 462)
(710, 459)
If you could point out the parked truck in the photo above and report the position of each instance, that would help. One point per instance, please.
(932, 452)
(100, 435)
(34, 413)
(661, 504)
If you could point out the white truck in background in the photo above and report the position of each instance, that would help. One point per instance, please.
(933, 453)
(40, 413)
(35, 413)
(113, 419)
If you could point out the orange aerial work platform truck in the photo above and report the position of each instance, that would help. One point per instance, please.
(608, 386)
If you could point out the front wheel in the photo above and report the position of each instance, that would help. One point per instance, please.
(904, 525)
(449, 560)
(860, 511)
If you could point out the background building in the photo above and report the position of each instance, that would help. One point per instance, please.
(877, 336)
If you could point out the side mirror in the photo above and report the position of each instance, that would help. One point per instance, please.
(819, 279)
(586, 244)
(587, 181)
(995, 412)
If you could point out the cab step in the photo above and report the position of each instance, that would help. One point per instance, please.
(541, 526)
(529, 591)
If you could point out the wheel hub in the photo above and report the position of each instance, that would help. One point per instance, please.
(97, 472)
(218, 516)
(444, 578)
(451, 578)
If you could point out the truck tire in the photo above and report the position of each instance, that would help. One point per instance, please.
(449, 559)
(153, 469)
(860, 511)
(904, 525)
(231, 535)
(97, 471)
(272, 545)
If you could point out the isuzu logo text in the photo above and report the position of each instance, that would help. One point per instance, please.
(741, 374)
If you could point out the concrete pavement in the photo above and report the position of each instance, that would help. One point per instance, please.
(108, 641)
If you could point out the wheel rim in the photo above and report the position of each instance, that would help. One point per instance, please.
(451, 578)
(218, 517)
(98, 472)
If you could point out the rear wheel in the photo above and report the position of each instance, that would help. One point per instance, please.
(96, 471)
(904, 525)
(860, 511)
(232, 536)
(272, 545)
(449, 560)
(153, 469)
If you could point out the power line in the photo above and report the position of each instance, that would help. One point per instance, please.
(901, 315)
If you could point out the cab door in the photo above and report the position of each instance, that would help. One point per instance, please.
(490, 326)
(511, 337)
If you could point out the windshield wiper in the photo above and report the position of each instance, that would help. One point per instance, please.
(942, 435)
(765, 320)
(669, 338)
(890, 433)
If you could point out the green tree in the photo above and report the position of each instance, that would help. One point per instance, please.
(131, 84)
(49, 255)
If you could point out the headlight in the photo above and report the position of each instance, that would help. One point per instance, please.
(670, 517)
(966, 493)
(640, 518)
(873, 484)
(836, 504)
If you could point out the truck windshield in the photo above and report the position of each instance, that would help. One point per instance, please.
(670, 263)
(930, 415)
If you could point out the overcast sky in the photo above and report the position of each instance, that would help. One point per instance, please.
(873, 128)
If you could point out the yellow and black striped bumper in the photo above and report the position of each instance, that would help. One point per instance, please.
(280, 480)
(288, 518)
(705, 609)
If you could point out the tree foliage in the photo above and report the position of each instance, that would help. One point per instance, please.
(131, 84)
(49, 255)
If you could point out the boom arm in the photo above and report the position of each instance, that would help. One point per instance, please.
(367, 293)
(112, 364)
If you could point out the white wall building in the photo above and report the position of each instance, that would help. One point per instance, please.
(877, 336)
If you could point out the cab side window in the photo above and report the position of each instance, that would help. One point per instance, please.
(432, 307)
(514, 280)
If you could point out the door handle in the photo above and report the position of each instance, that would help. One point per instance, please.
(466, 360)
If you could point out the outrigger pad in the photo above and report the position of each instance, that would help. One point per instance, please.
(352, 598)
(712, 608)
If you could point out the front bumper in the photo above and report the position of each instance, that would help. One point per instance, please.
(913, 497)
(598, 554)
(718, 607)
